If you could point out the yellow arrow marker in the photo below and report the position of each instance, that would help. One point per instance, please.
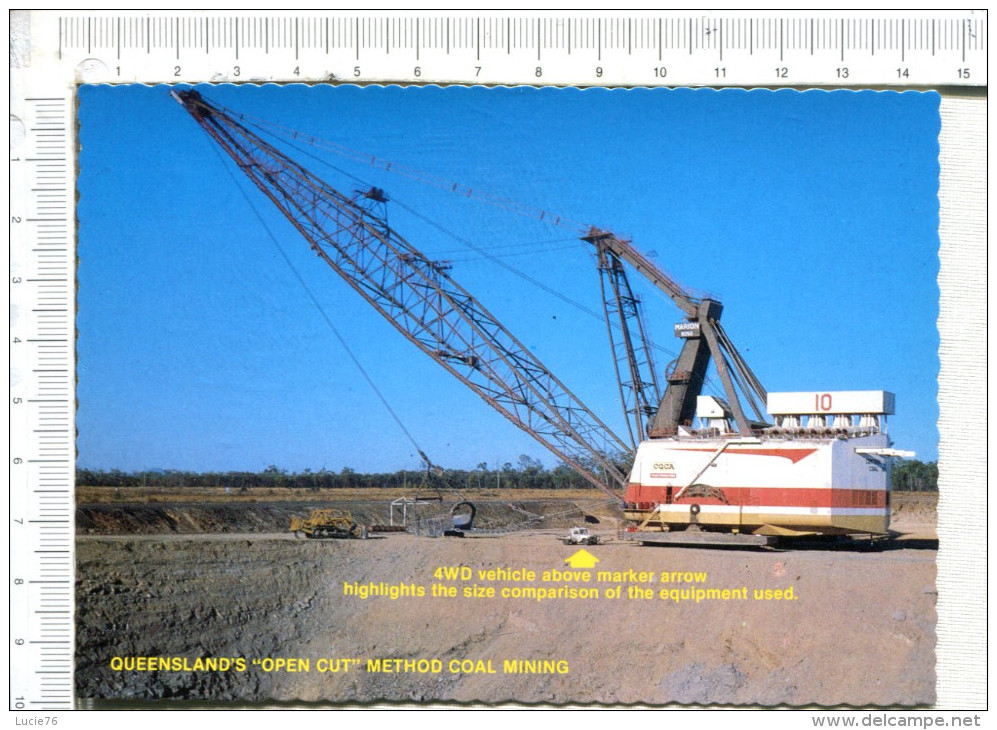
(582, 559)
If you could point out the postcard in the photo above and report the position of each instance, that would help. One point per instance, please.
(421, 394)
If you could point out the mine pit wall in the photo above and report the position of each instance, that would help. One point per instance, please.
(183, 518)
(205, 518)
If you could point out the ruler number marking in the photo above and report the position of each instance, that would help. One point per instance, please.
(47, 146)
(783, 38)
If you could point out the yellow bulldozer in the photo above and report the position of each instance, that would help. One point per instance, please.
(328, 523)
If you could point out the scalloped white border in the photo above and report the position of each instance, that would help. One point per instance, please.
(962, 387)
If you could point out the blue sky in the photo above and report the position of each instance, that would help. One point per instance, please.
(813, 216)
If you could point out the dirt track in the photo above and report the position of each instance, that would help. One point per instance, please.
(858, 628)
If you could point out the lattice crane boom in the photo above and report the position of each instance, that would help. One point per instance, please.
(703, 340)
(635, 373)
(626, 251)
(421, 300)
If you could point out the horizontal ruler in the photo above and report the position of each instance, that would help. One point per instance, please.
(52, 52)
(729, 48)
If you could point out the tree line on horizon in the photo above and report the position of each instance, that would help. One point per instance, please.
(527, 473)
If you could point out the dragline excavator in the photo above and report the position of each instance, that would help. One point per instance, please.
(705, 468)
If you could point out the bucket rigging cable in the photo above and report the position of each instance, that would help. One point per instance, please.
(497, 366)
(265, 128)
(315, 302)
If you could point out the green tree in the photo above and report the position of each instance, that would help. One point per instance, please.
(915, 476)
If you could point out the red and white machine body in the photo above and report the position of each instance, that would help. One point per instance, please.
(823, 468)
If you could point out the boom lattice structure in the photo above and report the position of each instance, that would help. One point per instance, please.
(420, 299)
(823, 468)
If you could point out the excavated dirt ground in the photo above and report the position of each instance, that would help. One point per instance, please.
(187, 581)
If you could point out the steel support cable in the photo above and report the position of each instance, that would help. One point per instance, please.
(314, 300)
(495, 259)
(742, 366)
(748, 372)
(624, 305)
(603, 274)
(751, 387)
(518, 254)
(639, 358)
(708, 381)
(734, 370)
(519, 362)
(482, 252)
(286, 183)
(524, 244)
(736, 376)
(290, 134)
(521, 274)
(474, 247)
(648, 344)
(459, 239)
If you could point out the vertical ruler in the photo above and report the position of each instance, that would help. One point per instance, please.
(42, 403)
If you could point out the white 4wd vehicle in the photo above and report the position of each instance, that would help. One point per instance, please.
(581, 536)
